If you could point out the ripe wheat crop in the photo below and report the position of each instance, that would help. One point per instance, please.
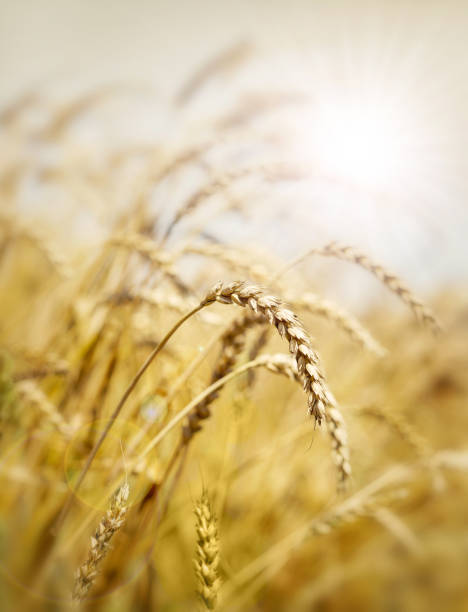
(185, 364)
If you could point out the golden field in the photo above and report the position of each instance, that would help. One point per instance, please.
(126, 485)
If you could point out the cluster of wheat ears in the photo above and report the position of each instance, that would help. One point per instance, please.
(139, 381)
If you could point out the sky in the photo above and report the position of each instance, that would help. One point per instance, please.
(387, 128)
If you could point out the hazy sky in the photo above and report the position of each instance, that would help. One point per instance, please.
(412, 53)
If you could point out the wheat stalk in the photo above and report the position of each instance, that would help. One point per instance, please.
(100, 542)
(257, 346)
(207, 553)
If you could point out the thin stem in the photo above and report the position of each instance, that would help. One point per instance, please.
(119, 407)
(190, 406)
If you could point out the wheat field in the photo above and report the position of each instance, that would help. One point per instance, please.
(189, 422)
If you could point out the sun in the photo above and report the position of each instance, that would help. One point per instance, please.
(364, 142)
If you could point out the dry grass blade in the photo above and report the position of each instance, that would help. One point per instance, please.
(160, 299)
(144, 246)
(161, 260)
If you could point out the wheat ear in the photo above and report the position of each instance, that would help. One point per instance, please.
(30, 392)
(351, 326)
(290, 328)
(224, 181)
(401, 426)
(40, 241)
(390, 280)
(207, 553)
(220, 63)
(111, 522)
(233, 258)
(284, 365)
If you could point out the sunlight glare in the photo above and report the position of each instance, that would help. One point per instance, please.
(366, 144)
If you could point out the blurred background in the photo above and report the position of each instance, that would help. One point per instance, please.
(378, 111)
